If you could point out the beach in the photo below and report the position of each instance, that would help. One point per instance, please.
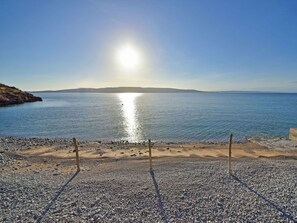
(148, 111)
(189, 181)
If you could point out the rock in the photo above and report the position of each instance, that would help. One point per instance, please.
(11, 95)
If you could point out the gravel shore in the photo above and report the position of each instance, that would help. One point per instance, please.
(179, 189)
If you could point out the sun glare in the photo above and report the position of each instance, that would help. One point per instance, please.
(128, 57)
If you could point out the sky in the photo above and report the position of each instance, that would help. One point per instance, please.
(201, 44)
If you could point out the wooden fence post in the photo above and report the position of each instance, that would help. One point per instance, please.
(77, 157)
(150, 154)
(229, 157)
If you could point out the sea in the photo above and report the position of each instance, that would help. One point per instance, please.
(168, 117)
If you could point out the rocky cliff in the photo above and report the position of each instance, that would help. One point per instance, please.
(11, 95)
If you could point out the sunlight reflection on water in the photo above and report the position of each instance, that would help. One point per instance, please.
(130, 116)
(161, 117)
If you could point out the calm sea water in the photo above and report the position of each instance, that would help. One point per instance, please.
(137, 117)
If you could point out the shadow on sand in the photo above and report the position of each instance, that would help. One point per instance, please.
(46, 209)
(274, 205)
(160, 202)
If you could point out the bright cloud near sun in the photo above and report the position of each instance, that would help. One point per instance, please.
(129, 57)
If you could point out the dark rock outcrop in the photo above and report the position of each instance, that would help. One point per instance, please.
(11, 95)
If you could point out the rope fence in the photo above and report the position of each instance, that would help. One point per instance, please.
(160, 201)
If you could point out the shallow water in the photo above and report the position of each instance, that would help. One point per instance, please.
(136, 117)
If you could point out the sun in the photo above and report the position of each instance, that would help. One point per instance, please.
(128, 57)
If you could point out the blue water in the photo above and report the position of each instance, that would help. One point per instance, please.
(137, 117)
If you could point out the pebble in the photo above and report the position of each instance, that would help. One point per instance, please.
(188, 190)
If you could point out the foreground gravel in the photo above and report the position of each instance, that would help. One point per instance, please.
(179, 190)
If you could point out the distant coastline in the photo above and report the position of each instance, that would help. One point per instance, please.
(151, 90)
(121, 90)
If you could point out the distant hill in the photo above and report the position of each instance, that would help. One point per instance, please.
(11, 95)
(122, 90)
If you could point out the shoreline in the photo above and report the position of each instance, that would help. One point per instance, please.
(90, 149)
(123, 141)
(35, 154)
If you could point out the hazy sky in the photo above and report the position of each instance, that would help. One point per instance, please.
(205, 45)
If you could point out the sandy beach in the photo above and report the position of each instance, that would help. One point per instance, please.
(189, 182)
